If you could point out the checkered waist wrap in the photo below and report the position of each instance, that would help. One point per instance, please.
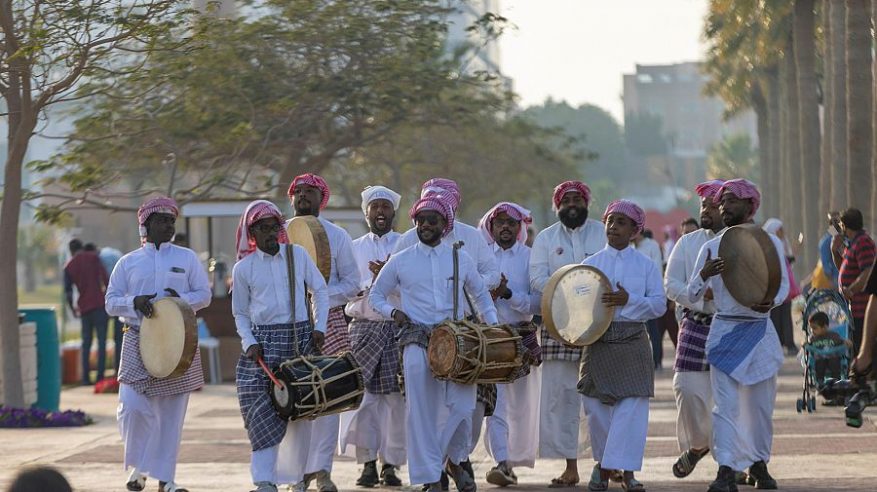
(415, 333)
(486, 393)
(337, 338)
(619, 364)
(554, 350)
(373, 345)
(133, 373)
(691, 346)
(279, 343)
(532, 354)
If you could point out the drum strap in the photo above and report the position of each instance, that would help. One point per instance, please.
(456, 256)
(290, 271)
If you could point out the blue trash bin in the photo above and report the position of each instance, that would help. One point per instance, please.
(48, 357)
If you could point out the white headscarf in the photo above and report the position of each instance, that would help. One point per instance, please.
(372, 193)
(771, 226)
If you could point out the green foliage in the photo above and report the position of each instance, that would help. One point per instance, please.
(733, 157)
(254, 101)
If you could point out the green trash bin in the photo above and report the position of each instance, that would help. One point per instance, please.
(48, 357)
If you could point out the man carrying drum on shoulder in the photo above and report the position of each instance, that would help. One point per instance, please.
(378, 426)
(152, 410)
(439, 413)
(273, 328)
(513, 429)
(618, 374)
(309, 194)
(569, 241)
(743, 350)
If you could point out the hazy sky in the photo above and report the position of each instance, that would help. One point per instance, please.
(577, 50)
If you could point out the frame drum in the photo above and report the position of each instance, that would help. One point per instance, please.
(169, 339)
(571, 307)
(307, 232)
(752, 266)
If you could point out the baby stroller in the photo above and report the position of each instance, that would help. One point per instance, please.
(832, 303)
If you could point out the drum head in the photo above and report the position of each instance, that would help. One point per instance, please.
(169, 338)
(752, 268)
(307, 232)
(442, 351)
(571, 306)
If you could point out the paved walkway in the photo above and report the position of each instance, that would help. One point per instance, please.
(813, 453)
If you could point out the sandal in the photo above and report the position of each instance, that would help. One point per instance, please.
(597, 483)
(136, 481)
(170, 487)
(687, 461)
(633, 485)
(560, 483)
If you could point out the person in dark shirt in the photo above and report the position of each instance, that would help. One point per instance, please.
(822, 341)
(87, 273)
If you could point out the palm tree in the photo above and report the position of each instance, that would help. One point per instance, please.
(838, 103)
(859, 101)
(827, 90)
(804, 38)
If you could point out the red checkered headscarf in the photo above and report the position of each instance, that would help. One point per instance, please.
(514, 211)
(709, 188)
(743, 189)
(566, 187)
(442, 186)
(312, 180)
(255, 212)
(629, 209)
(439, 203)
(157, 205)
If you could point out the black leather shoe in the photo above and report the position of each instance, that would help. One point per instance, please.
(369, 477)
(763, 480)
(388, 476)
(725, 481)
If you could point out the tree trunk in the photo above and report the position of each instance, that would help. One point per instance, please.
(809, 138)
(838, 102)
(859, 101)
(872, 216)
(759, 104)
(827, 91)
(774, 139)
(784, 147)
(793, 220)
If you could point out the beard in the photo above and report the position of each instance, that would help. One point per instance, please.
(573, 217)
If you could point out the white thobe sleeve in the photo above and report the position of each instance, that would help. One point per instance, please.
(347, 272)
(318, 289)
(117, 303)
(474, 284)
(784, 282)
(675, 280)
(697, 286)
(386, 282)
(199, 294)
(487, 265)
(240, 307)
(539, 269)
(650, 305)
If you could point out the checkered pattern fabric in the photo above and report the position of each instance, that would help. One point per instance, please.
(337, 337)
(264, 427)
(486, 393)
(554, 350)
(619, 365)
(691, 346)
(374, 347)
(133, 373)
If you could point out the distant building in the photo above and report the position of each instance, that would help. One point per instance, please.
(692, 122)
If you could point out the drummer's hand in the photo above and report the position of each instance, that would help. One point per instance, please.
(400, 318)
(502, 290)
(319, 340)
(375, 266)
(142, 304)
(708, 295)
(762, 307)
(712, 267)
(254, 352)
(171, 292)
(617, 298)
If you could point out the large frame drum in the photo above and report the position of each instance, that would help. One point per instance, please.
(169, 339)
(470, 353)
(307, 232)
(752, 266)
(316, 386)
(572, 306)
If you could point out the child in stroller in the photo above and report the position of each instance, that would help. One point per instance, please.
(825, 354)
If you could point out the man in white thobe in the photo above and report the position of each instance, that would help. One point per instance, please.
(152, 410)
(569, 241)
(439, 413)
(744, 353)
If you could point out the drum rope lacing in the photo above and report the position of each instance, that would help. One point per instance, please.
(318, 386)
(478, 360)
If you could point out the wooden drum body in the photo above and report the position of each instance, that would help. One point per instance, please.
(469, 353)
(752, 266)
(572, 309)
(169, 339)
(316, 386)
